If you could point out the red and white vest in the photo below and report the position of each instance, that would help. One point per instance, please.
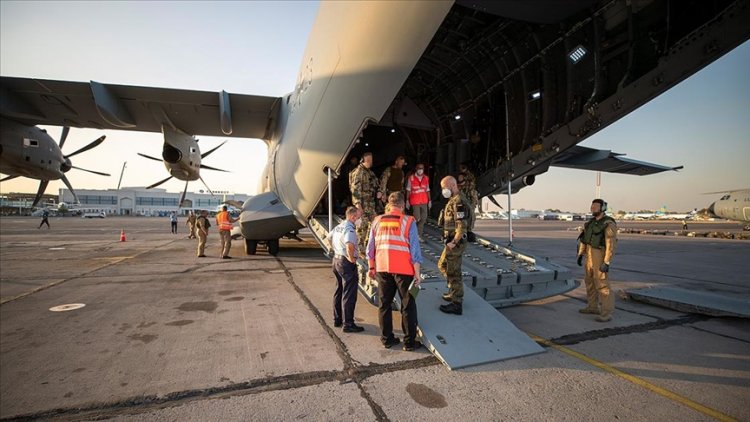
(392, 244)
(419, 195)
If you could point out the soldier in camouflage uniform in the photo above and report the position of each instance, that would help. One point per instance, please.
(455, 220)
(597, 246)
(467, 184)
(364, 186)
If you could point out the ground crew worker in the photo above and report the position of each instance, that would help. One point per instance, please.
(201, 228)
(343, 240)
(392, 179)
(418, 197)
(45, 219)
(395, 260)
(467, 184)
(456, 217)
(191, 224)
(173, 222)
(597, 246)
(224, 221)
(364, 186)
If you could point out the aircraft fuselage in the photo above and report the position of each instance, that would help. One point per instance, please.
(734, 205)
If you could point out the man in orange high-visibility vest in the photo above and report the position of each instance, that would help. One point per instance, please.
(224, 221)
(395, 260)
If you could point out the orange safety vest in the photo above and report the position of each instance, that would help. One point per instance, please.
(222, 219)
(418, 194)
(392, 244)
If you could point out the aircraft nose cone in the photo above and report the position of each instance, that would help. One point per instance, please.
(711, 210)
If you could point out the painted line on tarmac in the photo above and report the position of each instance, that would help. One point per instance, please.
(636, 380)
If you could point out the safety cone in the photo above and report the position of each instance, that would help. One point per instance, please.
(122, 235)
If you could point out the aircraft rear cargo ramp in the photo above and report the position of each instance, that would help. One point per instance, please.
(494, 276)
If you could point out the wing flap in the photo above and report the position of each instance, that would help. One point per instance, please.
(125, 107)
(584, 158)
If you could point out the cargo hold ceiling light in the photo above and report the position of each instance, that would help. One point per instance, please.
(535, 95)
(457, 117)
(577, 54)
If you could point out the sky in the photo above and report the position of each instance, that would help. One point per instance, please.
(256, 48)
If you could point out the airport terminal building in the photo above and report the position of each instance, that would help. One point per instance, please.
(145, 202)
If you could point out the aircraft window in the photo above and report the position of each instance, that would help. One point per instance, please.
(30, 142)
(725, 197)
(192, 150)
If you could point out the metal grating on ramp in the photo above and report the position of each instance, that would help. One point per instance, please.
(481, 335)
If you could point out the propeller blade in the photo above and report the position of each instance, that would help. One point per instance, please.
(40, 192)
(204, 184)
(494, 201)
(150, 157)
(67, 183)
(88, 147)
(205, 154)
(91, 171)
(7, 178)
(203, 166)
(182, 198)
(158, 183)
(64, 136)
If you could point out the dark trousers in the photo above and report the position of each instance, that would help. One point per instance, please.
(388, 284)
(174, 227)
(44, 221)
(346, 291)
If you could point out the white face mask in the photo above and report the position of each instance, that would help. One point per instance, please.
(447, 193)
(357, 222)
(420, 172)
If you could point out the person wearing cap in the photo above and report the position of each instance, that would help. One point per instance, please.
(224, 221)
(418, 197)
(201, 229)
(392, 179)
(597, 246)
(343, 241)
(395, 261)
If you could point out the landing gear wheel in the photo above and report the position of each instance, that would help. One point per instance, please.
(273, 246)
(251, 246)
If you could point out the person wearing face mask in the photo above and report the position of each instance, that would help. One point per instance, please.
(597, 247)
(343, 241)
(365, 190)
(418, 197)
(456, 217)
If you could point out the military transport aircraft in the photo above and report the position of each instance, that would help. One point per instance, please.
(27, 151)
(735, 205)
(509, 87)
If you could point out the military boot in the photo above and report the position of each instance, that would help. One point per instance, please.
(452, 308)
(588, 310)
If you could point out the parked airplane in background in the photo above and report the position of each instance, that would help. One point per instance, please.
(27, 151)
(735, 205)
(508, 87)
(181, 156)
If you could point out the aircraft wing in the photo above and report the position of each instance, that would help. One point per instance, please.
(123, 107)
(584, 158)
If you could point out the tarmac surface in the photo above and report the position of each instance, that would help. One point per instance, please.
(165, 335)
